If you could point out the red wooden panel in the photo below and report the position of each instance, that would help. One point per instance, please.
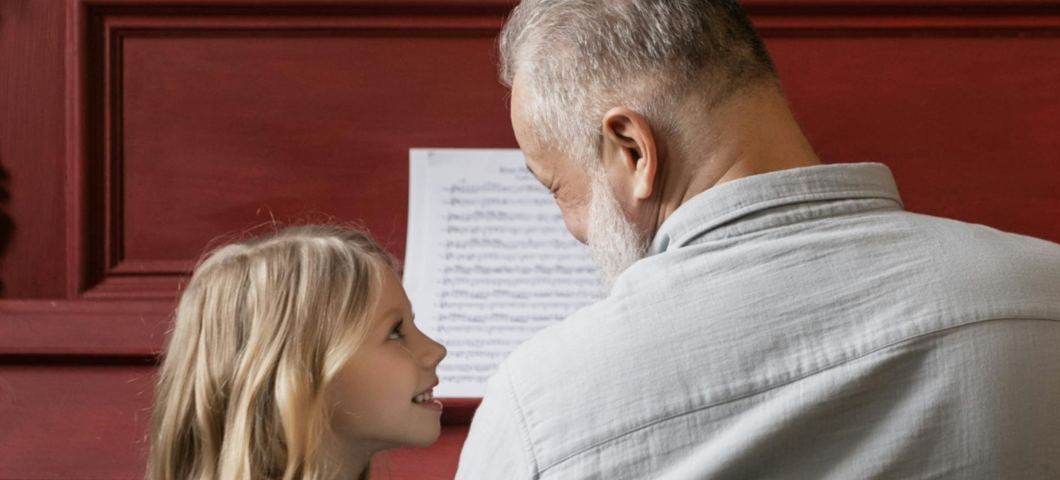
(73, 422)
(968, 125)
(31, 150)
(223, 133)
(199, 125)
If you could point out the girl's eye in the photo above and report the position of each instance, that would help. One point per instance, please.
(395, 333)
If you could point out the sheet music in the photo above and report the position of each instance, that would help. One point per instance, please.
(489, 261)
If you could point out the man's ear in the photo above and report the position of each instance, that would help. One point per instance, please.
(629, 150)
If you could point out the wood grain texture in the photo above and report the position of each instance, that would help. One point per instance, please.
(31, 149)
(223, 133)
(968, 125)
(84, 422)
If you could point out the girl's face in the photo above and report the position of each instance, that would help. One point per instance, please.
(381, 398)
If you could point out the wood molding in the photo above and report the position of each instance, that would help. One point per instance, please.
(100, 28)
(97, 265)
(131, 330)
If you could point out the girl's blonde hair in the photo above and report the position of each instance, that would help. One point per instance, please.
(261, 330)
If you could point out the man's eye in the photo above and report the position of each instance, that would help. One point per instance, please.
(395, 333)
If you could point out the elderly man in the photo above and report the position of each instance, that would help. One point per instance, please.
(768, 316)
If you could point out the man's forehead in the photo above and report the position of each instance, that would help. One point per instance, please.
(525, 139)
(516, 108)
(517, 86)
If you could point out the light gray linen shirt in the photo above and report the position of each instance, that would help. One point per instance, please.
(796, 324)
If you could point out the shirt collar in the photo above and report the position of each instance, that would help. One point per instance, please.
(725, 203)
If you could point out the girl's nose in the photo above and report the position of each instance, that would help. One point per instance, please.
(437, 352)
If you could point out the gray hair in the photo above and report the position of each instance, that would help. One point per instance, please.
(579, 58)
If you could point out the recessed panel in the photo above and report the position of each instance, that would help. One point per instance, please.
(223, 133)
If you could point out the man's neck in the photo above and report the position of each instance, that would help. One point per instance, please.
(749, 135)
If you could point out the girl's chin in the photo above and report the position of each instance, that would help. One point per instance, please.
(430, 436)
(425, 442)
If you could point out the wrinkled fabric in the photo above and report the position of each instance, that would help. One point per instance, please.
(796, 324)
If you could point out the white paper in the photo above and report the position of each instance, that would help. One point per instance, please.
(489, 261)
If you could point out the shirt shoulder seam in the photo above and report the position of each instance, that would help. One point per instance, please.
(701, 229)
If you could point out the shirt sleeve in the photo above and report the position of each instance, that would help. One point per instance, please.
(498, 445)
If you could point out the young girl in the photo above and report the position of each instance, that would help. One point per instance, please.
(293, 356)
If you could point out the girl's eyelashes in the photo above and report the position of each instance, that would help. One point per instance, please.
(395, 333)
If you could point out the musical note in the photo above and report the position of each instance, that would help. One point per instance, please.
(489, 260)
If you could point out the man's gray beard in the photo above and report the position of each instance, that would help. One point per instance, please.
(613, 241)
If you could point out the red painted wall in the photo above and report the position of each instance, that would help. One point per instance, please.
(133, 132)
